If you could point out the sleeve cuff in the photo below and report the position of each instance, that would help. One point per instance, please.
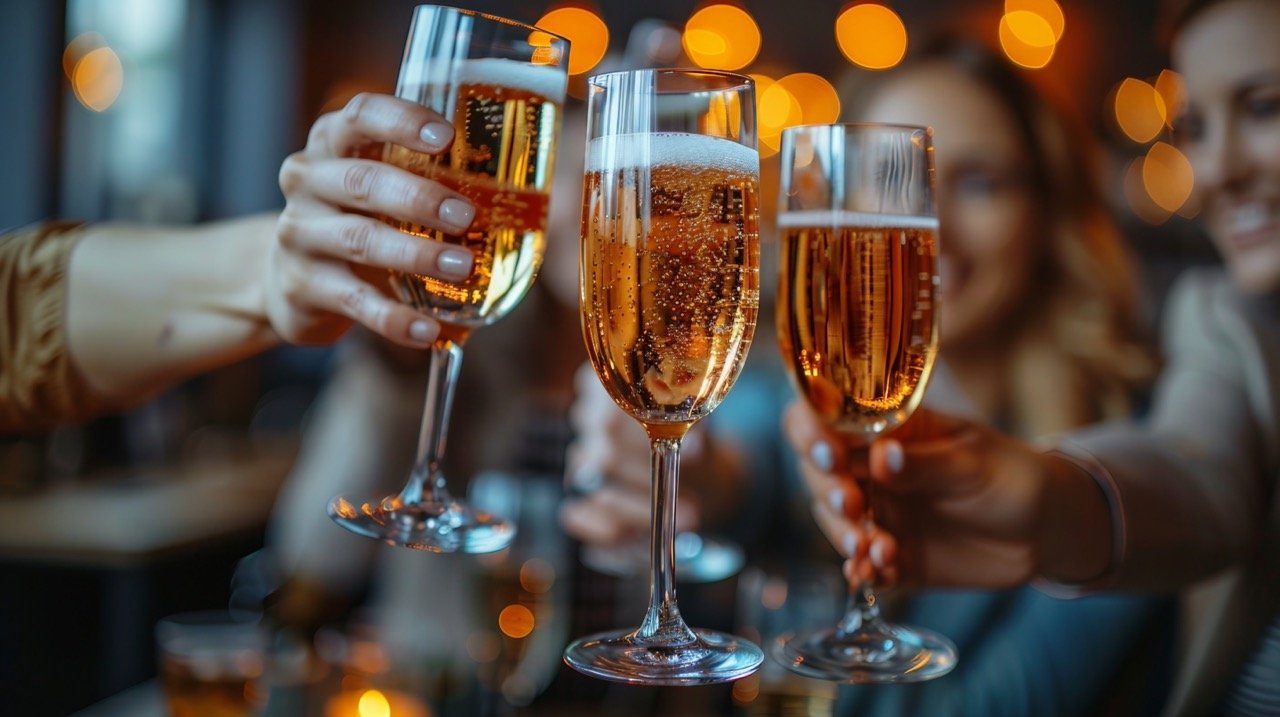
(1090, 465)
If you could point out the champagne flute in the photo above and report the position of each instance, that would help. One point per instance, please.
(858, 329)
(502, 84)
(670, 292)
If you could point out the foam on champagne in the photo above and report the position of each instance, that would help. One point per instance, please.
(859, 220)
(542, 80)
(678, 149)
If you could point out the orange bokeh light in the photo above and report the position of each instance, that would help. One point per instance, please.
(1139, 110)
(1016, 24)
(98, 78)
(373, 704)
(1030, 28)
(1167, 176)
(1136, 194)
(721, 37)
(515, 621)
(586, 31)
(871, 36)
(1048, 11)
(1170, 88)
(817, 99)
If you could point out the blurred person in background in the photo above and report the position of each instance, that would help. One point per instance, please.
(1040, 334)
(1186, 498)
(103, 316)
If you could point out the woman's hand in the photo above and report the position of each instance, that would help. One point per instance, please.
(955, 504)
(609, 465)
(327, 233)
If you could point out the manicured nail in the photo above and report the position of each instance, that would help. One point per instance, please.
(423, 331)
(455, 263)
(850, 544)
(836, 499)
(457, 212)
(821, 455)
(893, 457)
(436, 134)
(877, 555)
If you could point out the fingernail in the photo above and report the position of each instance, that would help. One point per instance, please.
(850, 544)
(893, 457)
(836, 499)
(457, 212)
(877, 555)
(436, 134)
(455, 262)
(822, 457)
(422, 331)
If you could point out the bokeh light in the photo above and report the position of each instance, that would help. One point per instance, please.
(75, 51)
(97, 79)
(1139, 110)
(1167, 176)
(1135, 193)
(1047, 10)
(818, 101)
(721, 37)
(537, 575)
(515, 621)
(1170, 88)
(373, 704)
(1029, 28)
(871, 36)
(1019, 23)
(586, 31)
(776, 109)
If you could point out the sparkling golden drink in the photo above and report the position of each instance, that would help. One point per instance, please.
(506, 120)
(670, 271)
(857, 313)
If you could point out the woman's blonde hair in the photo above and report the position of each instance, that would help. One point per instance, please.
(1077, 356)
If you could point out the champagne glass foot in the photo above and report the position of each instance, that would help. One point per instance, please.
(878, 654)
(698, 559)
(712, 658)
(431, 526)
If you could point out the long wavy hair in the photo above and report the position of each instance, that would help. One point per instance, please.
(1078, 352)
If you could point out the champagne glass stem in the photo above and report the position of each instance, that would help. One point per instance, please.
(446, 361)
(863, 610)
(662, 624)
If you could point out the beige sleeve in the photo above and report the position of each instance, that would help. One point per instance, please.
(39, 386)
(1191, 479)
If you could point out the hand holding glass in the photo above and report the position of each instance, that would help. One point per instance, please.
(502, 85)
(858, 328)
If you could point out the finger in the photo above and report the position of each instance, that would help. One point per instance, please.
(842, 496)
(367, 241)
(816, 443)
(370, 117)
(335, 289)
(942, 467)
(883, 555)
(378, 188)
(844, 535)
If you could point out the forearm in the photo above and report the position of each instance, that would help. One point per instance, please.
(147, 307)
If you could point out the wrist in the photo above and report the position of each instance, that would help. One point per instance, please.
(1076, 537)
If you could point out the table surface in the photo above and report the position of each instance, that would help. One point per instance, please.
(137, 518)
